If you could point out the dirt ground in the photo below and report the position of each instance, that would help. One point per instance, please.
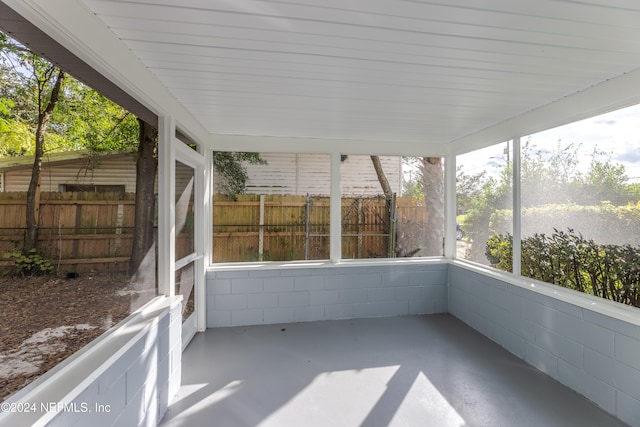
(44, 320)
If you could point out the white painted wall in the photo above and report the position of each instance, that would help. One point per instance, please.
(358, 177)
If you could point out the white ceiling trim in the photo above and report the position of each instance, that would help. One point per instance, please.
(270, 144)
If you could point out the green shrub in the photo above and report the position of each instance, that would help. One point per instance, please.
(499, 251)
(30, 264)
(568, 259)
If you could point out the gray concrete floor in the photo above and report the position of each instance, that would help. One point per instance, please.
(402, 371)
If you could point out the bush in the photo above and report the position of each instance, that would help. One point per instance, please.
(568, 259)
(31, 264)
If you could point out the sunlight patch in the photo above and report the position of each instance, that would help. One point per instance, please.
(336, 398)
(208, 400)
(423, 401)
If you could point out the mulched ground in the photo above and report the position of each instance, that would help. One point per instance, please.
(44, 320)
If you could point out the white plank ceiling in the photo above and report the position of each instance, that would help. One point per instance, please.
(381, 70)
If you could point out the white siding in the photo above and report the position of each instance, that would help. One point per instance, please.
(278, 176)
(358, 177)
(111, 170)
(301, 174)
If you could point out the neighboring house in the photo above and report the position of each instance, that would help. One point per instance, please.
(287, 174)
(301, 174)
(72, 171)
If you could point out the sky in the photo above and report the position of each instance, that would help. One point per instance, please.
(616, 133)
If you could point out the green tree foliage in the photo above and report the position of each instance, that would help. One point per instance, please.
(468, 188)
(412, 188)
(634, 191)
(87, 119)
(548, 177)
(82, 118)
(495, 194)
(5, 105)
(16, 138)
(605, 181)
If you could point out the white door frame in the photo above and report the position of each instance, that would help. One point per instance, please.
(191, 158)
(171, 149)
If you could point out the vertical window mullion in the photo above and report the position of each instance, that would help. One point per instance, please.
(450, 207)
(166, 206)
(335, 217)
(517, 207)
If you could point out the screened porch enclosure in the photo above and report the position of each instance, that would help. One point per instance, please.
(379, 338)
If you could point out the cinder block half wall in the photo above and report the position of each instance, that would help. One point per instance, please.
(238, 297)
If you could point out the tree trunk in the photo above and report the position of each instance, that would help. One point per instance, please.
(433, 187)
(146, 166)
(389, 228)
(33, 193)
(382, 178)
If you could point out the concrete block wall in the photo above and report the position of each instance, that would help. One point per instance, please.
(595, 354)
(253, 296)
(136, 387)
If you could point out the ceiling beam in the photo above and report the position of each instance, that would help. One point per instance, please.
(274, 144)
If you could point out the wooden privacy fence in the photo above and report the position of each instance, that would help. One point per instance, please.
(277, 228)
(93, 231)
(77, 231)
(258, 227)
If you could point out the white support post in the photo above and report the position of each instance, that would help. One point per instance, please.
(335, 210)
(166, 206)
(261, 230)
(517, 205)
(208, 206)
(450, 207)
(202, 240)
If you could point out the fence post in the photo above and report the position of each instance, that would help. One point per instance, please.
(77, 230)
(119, 222)
(261, 230)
